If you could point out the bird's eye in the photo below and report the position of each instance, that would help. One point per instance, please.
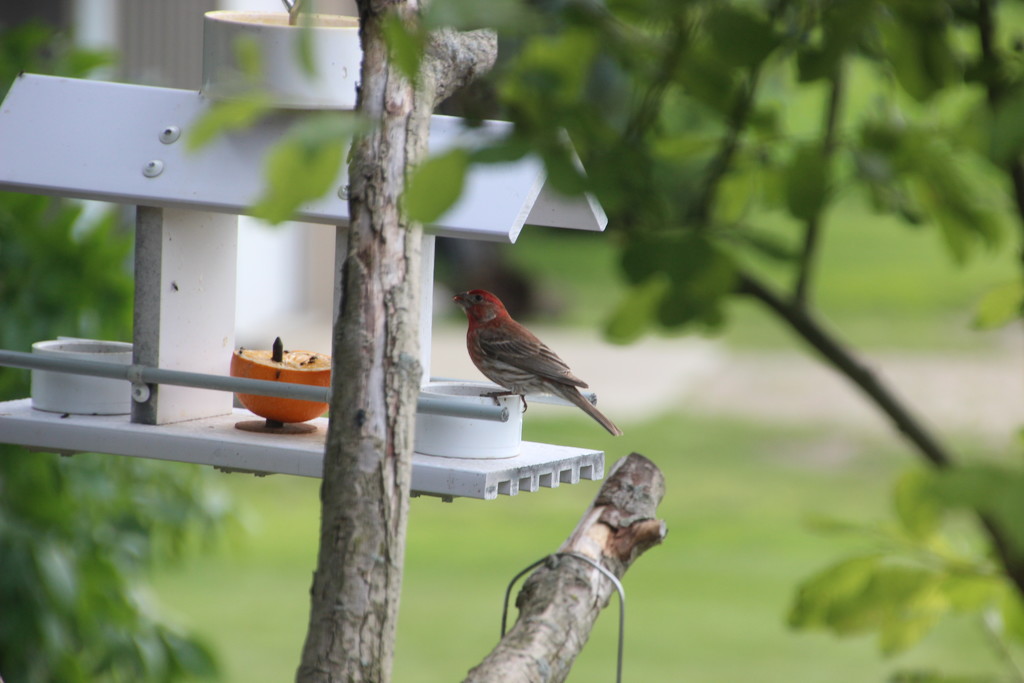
(477, 298)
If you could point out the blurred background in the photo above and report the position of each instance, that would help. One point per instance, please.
(776, 466)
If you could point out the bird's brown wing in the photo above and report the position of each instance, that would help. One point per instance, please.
(522, 349)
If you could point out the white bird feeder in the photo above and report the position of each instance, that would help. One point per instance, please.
(123, 143)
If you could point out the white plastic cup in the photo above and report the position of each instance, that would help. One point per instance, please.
(334, 52)
(471, 438)
(63, 392)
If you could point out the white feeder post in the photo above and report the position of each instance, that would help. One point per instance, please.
(184, 319)
(426, 305)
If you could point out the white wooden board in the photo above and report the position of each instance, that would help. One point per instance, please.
(95, 140)
(216, 442)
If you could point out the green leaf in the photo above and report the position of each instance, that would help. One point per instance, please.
(510, 148)
(550, 75)
(741, 37)
(57, 571)
(248, 57)
(736, 197)
(921, 56)
(1006, 135)
(763, 242)
(813, 62)
(901, 603)
(699, 274)
(807, 182)
(828, 598)
(306, 163)
(189, 654)
(916, 507)
(226, 116)
(709, 80)
(304, 46)
(406, 44)
(469, 15)
(901, 633)
(287, 163)
(843, 30)
(636, 312)
(697, 299)
(1000, 306)
(921, 173)
(674, 253)
(969, 593)
(994, 490)
(435, 185)
(564, 172)
(1011, 609)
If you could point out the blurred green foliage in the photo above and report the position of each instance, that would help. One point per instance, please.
(78, 534)
(696, 119)
(924, 565)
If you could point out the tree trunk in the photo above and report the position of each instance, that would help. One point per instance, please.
(376, 371)
(560, 602)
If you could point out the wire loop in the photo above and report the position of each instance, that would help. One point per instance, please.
(615, 582)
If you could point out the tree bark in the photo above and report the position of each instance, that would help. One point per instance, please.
(376, 369)
(560, 601)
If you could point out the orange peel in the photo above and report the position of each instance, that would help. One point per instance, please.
(299, 367)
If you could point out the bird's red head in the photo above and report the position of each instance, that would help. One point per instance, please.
(480, 305)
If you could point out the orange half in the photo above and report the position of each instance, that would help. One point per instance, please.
(299, 367)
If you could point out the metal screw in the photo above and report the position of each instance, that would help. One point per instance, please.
(140, 392)
(170, 134)
(343, 192)
(153, 168)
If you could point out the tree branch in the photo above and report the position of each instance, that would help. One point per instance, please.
(719, 165)
(455, 59)
(560, 601)
(844, 360)
(813, 228)
(646, 112)
(368, 451)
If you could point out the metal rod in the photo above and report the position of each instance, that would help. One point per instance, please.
(532, 398)
(147, 375)
(441, 406)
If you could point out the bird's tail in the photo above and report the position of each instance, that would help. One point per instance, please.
(573, 395)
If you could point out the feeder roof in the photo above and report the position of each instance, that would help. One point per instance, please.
(102, 140)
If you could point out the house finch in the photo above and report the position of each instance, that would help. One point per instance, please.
(510, 355)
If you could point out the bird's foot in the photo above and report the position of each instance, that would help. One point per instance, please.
(501, 394)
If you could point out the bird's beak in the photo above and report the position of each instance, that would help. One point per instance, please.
(461, 299)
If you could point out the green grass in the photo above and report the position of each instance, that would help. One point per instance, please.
(707, 605)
